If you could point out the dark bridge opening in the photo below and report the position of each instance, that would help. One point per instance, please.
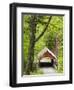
(46, 64)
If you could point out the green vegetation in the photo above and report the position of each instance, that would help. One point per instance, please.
(41, 31)
(37, 72)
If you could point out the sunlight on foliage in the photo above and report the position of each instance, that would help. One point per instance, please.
(52, 38)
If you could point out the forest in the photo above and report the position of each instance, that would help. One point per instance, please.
(41, 31)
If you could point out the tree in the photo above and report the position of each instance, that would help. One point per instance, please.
(33, 40)
(41, 31)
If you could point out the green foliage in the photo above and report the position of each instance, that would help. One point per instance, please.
(54, 30)
(60, 65)
(25, 37)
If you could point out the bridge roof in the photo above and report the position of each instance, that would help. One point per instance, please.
(43, 51)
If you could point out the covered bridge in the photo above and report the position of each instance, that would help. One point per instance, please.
(47, 58)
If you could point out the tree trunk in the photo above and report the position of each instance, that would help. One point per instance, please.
(56, 50)
(29, 66)
(56, 46)
(33, 40)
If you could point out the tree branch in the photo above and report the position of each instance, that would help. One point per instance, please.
(44, 29)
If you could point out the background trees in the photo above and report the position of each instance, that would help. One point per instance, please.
(41, 31)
